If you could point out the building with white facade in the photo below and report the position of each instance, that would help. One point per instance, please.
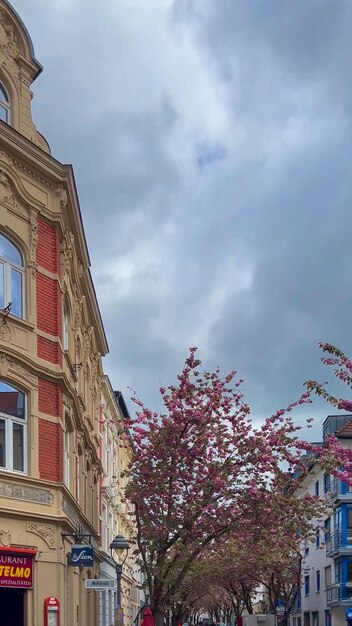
(326, 591)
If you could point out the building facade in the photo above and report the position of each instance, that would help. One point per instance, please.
(52, 342)
(115, 511)
(326, 592)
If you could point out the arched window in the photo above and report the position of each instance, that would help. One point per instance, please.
(4, 106)
(13, 425)
(11, 277)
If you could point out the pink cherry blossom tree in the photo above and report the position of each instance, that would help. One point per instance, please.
(198, 468)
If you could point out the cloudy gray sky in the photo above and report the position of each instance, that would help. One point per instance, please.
(211, 142)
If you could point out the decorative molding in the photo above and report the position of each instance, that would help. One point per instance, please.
(46, 532)
(62, 195)
(87, 339)
(33, 238)
(77, 314)
(6, 332)
(7, 362)
(9, 50)
(95, 364)
(67, 248)
(19, 492)
(5, 537)
(7, 197)
(68, 403)
(21, 167)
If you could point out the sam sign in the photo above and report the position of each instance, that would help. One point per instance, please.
(82, 555)
(16, 571)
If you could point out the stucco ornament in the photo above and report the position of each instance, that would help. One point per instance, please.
(7, 196)
(62, 195)
(6, 331)
(5, 537)
(33, 237)
(46, 532)
(67, 247)
(9, 50)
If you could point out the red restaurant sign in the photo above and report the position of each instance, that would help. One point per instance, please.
(15, 570)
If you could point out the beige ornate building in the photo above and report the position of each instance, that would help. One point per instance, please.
(115, 511)
(51, 343)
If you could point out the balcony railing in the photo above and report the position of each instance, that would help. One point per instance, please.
(339, 540)
(339, 594)
(339, 489)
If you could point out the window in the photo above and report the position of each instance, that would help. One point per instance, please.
(306, 547)
(317, 488)
(4, 106)
(328, 576)
(66, 328)
(12, 429)
(317, 586)
(315, 618)
(327, 617)
(327, 529)
(326, 483)
(11, 277)
(67, 455)
(317, 538)
(306, 585)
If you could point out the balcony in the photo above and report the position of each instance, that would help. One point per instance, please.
(340, 491)
(339, 595)
(339, 541)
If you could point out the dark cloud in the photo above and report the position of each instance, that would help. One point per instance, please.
(212, 148)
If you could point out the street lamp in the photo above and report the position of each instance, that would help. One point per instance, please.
(119, 544)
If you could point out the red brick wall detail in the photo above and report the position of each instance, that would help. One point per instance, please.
(48, 251)
(49, 397)
(50, 451)
(48, 309)
(49, 350)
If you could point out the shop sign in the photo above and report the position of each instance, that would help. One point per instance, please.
(82, 555)
(100, 583)
(348, 614)
(15, 570)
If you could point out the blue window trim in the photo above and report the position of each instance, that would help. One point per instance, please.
(306, 585)
(341, 569)
(340, 523)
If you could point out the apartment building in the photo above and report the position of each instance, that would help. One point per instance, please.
(115, 513)
(326, 592)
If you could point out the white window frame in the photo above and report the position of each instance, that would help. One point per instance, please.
(7, 266)
(9, 421)
(5, 104)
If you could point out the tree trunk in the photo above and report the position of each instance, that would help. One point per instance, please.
(158, 618)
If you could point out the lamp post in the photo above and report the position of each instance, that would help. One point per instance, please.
(119, 544)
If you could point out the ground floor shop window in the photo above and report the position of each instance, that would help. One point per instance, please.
(327, 617)
(12, 607)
